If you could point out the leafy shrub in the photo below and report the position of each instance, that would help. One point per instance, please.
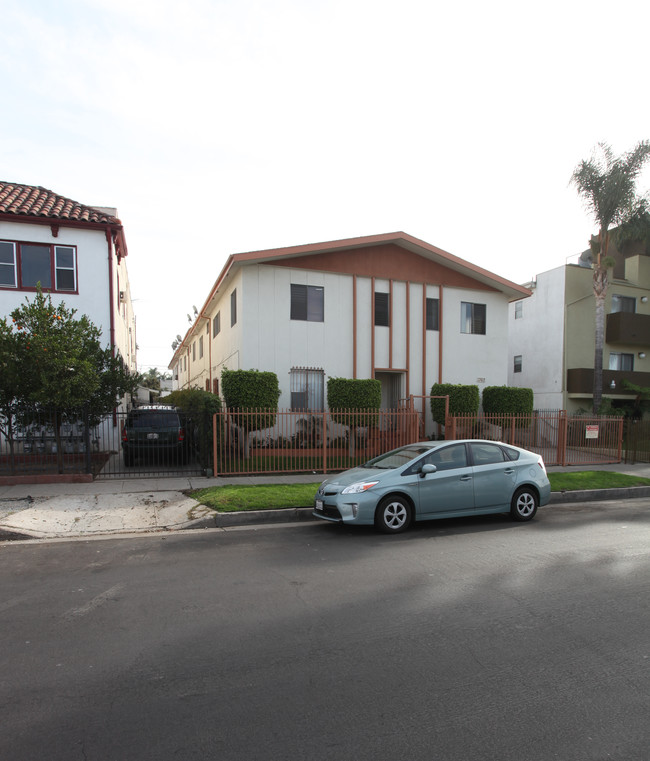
(198, 407)
(508, 400)
(462, 400)
(348, 394)
(248, 391)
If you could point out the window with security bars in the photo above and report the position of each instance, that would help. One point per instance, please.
(307, 387)
(472, 318)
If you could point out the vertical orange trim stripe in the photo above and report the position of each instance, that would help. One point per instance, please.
(354, 326)
(440, 333)
(390, 324)
(424, 340)
(372, 328)
(408, 336)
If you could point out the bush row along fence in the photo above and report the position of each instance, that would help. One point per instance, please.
(560, 438)
(323, 441)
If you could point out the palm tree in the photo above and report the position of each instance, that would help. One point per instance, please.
(607, 183)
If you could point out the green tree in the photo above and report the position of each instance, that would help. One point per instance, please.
(10, 385)
(153, 377)
(607, 184)
(65, 373)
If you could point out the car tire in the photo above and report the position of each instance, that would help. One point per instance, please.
(393, 515)
(524, 504)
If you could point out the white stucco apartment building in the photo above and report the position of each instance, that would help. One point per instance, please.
(76, 252)
(389, 307)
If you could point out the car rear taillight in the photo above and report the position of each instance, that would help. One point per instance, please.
(124, 436)
(181, 434)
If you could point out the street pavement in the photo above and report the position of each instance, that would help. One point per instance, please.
(140, 505)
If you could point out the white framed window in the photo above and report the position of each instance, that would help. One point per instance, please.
(623, 303)
(473, 318)
(8, 274)
(24, 265)
(519, 310)
(517, 363)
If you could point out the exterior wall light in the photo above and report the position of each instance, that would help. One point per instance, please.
(641, 355)
(612, 384)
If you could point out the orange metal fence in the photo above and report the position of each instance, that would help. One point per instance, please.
(266, 441)
(560, 438)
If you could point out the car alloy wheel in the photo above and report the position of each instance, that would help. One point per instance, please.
(393, 515)
(524, 504)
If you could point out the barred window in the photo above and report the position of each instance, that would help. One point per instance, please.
(307, 386)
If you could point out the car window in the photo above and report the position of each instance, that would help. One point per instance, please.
(511, 454)
(397, 458)
(448, 458)
(486, 454)
(154, 420)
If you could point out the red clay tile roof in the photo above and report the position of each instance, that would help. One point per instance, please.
(28, 200)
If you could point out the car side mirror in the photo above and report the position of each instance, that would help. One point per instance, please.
(426, 469)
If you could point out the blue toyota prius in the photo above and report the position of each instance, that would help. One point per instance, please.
(436, 479)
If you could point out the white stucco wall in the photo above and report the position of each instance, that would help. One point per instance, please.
(92, 298)
(538, 336)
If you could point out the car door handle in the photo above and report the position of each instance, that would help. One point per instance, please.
(508, 472)
(465, 478)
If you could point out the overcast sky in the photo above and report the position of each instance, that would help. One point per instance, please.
(222, 126)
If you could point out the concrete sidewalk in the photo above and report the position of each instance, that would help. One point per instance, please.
(158, 504)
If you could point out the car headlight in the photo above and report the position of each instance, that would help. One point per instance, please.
(359, 487)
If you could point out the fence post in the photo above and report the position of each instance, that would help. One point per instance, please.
(324, 441)
(89, 462)
(562, 429)
(214, 444)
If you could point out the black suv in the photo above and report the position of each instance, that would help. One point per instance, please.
(154, 432)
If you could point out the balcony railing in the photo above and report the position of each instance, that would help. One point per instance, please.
(580, 380)
(628, 328)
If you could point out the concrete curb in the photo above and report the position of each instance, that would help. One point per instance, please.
(294, 514)
(595, 495)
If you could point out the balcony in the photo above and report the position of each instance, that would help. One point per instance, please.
(580, 381)
(628, 328)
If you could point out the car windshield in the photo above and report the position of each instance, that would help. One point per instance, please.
(397, 458)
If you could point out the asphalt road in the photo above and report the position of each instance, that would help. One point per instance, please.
(459, 640)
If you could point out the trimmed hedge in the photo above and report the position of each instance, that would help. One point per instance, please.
(462, 400)
(509, 400)
(354, 394)
(245, 390)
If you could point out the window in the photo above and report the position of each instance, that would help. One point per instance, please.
(618, 361)
(24, 265)
(233, 307)
(207, 384)
(519, 310)
(517, 367)
(194, 352)
(8, 278)
(216, 324)
(307, 303)
(623, 303)
(215, 385)
(486, 454)
(433, 309)
(201, 347)
(382, 309)
(447, 458)
(307, 386)
(472, 318)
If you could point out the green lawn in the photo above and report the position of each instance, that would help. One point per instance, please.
(228, 499)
